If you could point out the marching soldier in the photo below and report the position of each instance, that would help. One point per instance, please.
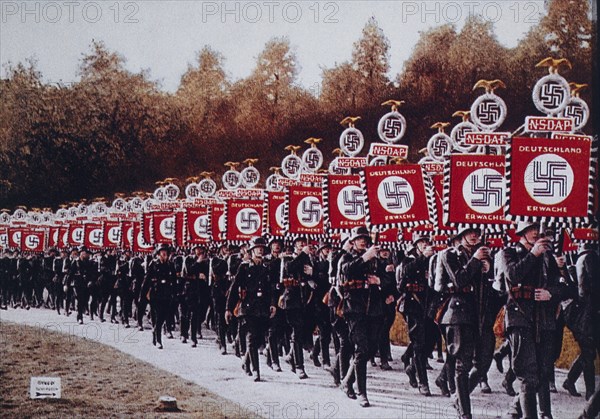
(219, 284)
(461, 268)
(412, 278)
(81, 272)
(107, 267)
(251, 293)
(125, 286)
(136, 273)
(276, 322)
(296, 271)
(159, 284)
(363, 307)
(58, 277)
(48, 275)
(533, 284)
(4, 280)
(190, 297)
(391, 295)
(321, 311)
(586, 320)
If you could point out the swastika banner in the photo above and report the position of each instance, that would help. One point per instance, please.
(344, 202)
(33, 240)
(93, 236)
(474, 190)
(163, 227)
(304, 211)
(14, 237)
(217, 222)
(551, 180)
(243, 218)
(197, 221)
(397, 196)
(111, 234)
(438, 194)
(53, 237)
(274, 210)
(127, 235)
(76, 234)
(139, 244)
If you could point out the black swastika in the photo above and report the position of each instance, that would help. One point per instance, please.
(552, 95)
(397, 195)
(311, 212)
(440, 147)
(488, 112)
(33, 241)
(231, 178)
(354, 203)
(488, 192)
(547, 175)
(392, 127)
(167, 227)
(202, 226)
(292, 166)
(576, 112)
(250, 177)
(352, 141)
(249, 221)
(312, 159)
(96, 236)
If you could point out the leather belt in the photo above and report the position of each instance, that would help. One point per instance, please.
(290, 282)
(523, 293)
(465, 290)
(354, 284)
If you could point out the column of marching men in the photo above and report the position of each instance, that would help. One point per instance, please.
(282, 298)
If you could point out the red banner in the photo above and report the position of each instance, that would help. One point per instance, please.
(244, 219)
(127, 235)
(198, 225)
(53, 237)
(14, 238)
(4, 238)
(180, 233)
(146, 226)
(63, 237)
(111, 234)
(550, 178)
(396, 196)
(217, 222)
(93, 236)
(76, 234)
(139, 245)
(305, 211)
(275, 211)
(344, 202)
(33, 240)
(475, 191)
(163, 227)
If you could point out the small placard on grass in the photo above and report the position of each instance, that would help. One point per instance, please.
(45, 388)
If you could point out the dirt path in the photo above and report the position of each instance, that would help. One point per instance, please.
(280, 395)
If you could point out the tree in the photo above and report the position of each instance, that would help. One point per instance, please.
(370, 60)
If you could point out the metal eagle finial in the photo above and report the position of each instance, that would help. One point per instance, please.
(313, 141)
(232, 164)
(440, 126)
(489, 85)
(337, 152)
(207, 174)
(292, 148)
(553, 64)
(462, 114)
(395, 104)
(250, 162)
(576, 87)
(350, 120)
(275, 169)
(192, 179)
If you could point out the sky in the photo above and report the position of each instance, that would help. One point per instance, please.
(164, 36)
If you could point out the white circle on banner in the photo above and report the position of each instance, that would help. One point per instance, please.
(279, 215)
(171, 192)
(192, 191)
(312, 159)
(130, 235)
(488, 111)
(232, 179)
(16, 236)
(391, 127)
(250, 177)
(291, 166)
(95, 237)
(549, 179)
(439, 146)
(167, 228)
(309, 211)
(551, 94)
(221, 223)
(31, 241)
(247, 221)
(77, 235)
(483, 190)
(396, 195)
(201, 226)
(272, 183)
(208, 187)
(351, 202)
(579, 111)
(378, 161)
(114, 235)
(352, 141)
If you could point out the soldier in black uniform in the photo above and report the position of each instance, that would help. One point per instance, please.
(320, 285)
(219, 285)
(4, 280)
(277, 322)
(159, 284)
(251, 292)
(48, 275)
(190, 295)
(391, 295)
(136, 274)
(461, 270)
(295, 273)
(585, 320)
(363, 306)
(124, 286)
(25, 279)
(534, 291)
(82, 271)
(58, 277)
(107, 267)
(412, 277)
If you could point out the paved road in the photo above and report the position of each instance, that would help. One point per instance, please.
(282, 394)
